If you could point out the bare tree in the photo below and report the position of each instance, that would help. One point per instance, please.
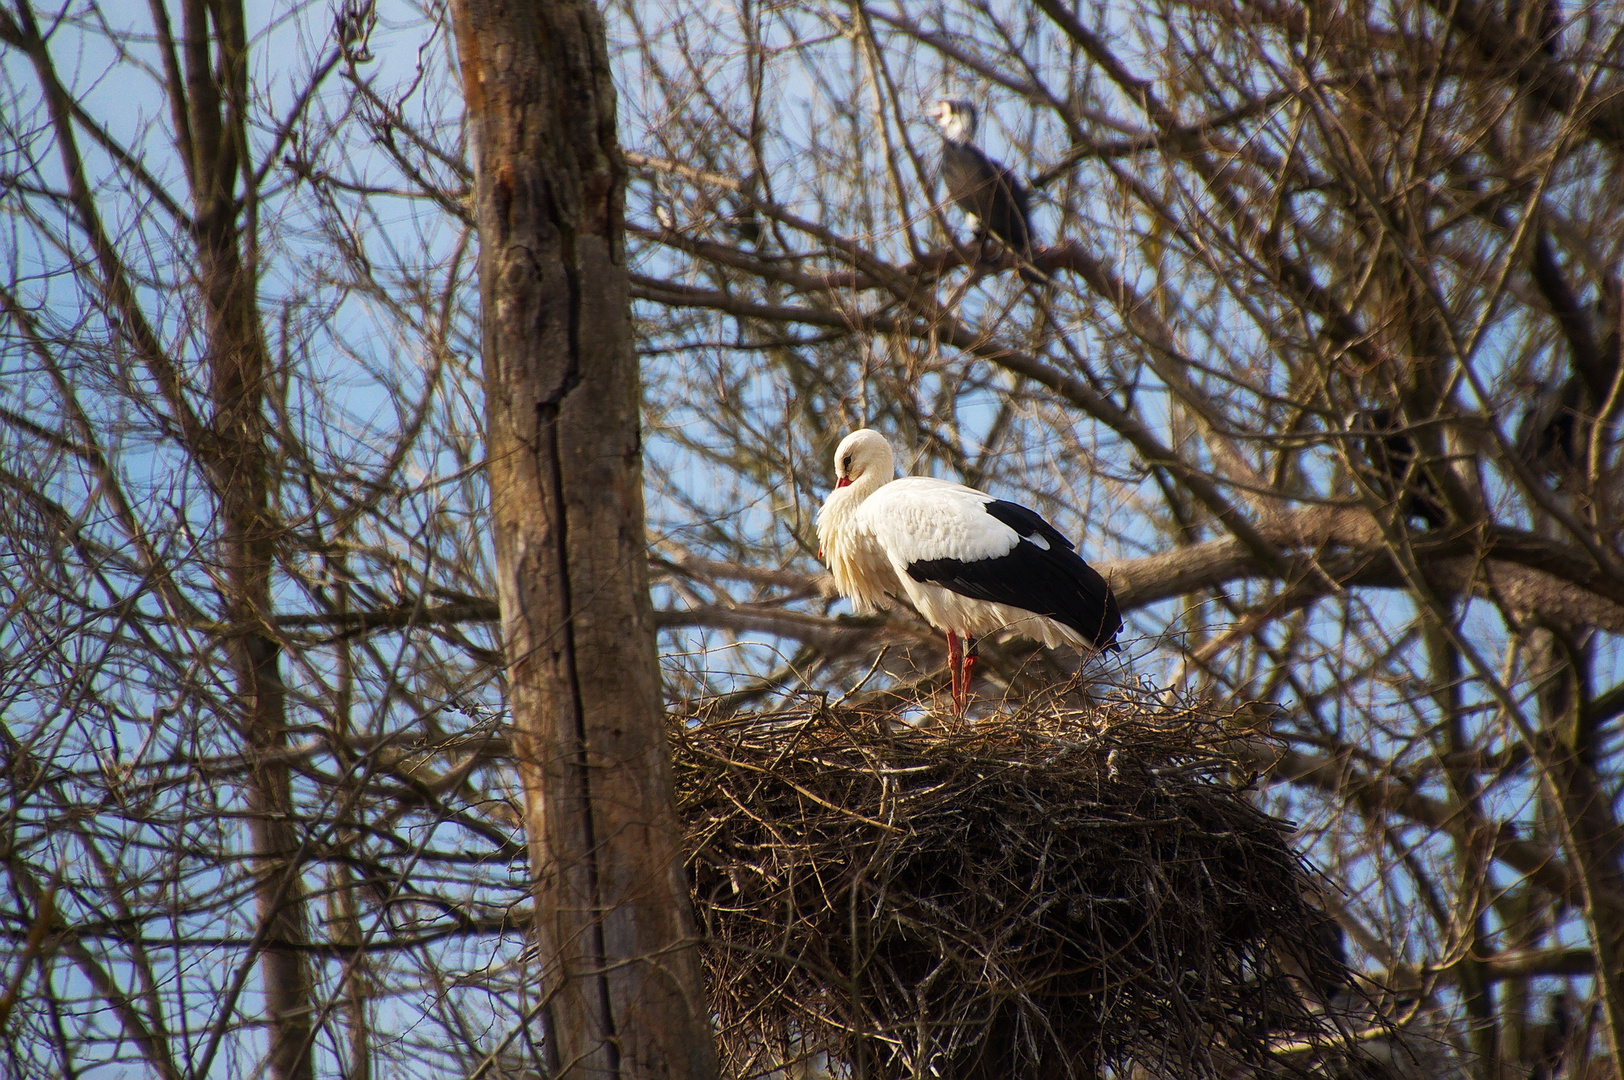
(1327, 376)
(614, 925)
(219, 419)
(1326, 381)
(246, 743)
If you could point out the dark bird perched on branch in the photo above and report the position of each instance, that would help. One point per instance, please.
(1392, 465)
(969, 563)
(1551, 437)
(988, 193)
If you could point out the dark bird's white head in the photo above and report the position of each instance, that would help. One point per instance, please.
(956, 118)
(864, 459)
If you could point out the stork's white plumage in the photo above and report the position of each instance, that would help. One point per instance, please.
(970, 564)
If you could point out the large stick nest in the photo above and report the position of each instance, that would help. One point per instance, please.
(1052, 892)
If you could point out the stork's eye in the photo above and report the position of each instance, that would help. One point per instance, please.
(845, 464)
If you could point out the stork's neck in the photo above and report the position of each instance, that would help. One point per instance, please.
(843, 502)
(866, 485)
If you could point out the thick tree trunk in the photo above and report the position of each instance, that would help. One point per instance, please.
(613, 917)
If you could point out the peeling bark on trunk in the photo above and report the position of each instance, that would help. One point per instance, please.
(613, 918)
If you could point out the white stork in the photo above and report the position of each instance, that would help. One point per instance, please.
(988, 193)
(971, 564)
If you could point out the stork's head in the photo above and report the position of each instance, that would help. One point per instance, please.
(863, 458)
(956, 118)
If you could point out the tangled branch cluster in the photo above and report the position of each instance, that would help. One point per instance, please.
(1044, 893)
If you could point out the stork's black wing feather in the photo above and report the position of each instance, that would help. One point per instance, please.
(983, 187)
(1042, 574)
(1010, 219)
(1390, 452)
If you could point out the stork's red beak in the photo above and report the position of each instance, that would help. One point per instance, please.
(843, 481)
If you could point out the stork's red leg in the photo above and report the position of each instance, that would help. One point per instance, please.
(969, 665)
(955, 661)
